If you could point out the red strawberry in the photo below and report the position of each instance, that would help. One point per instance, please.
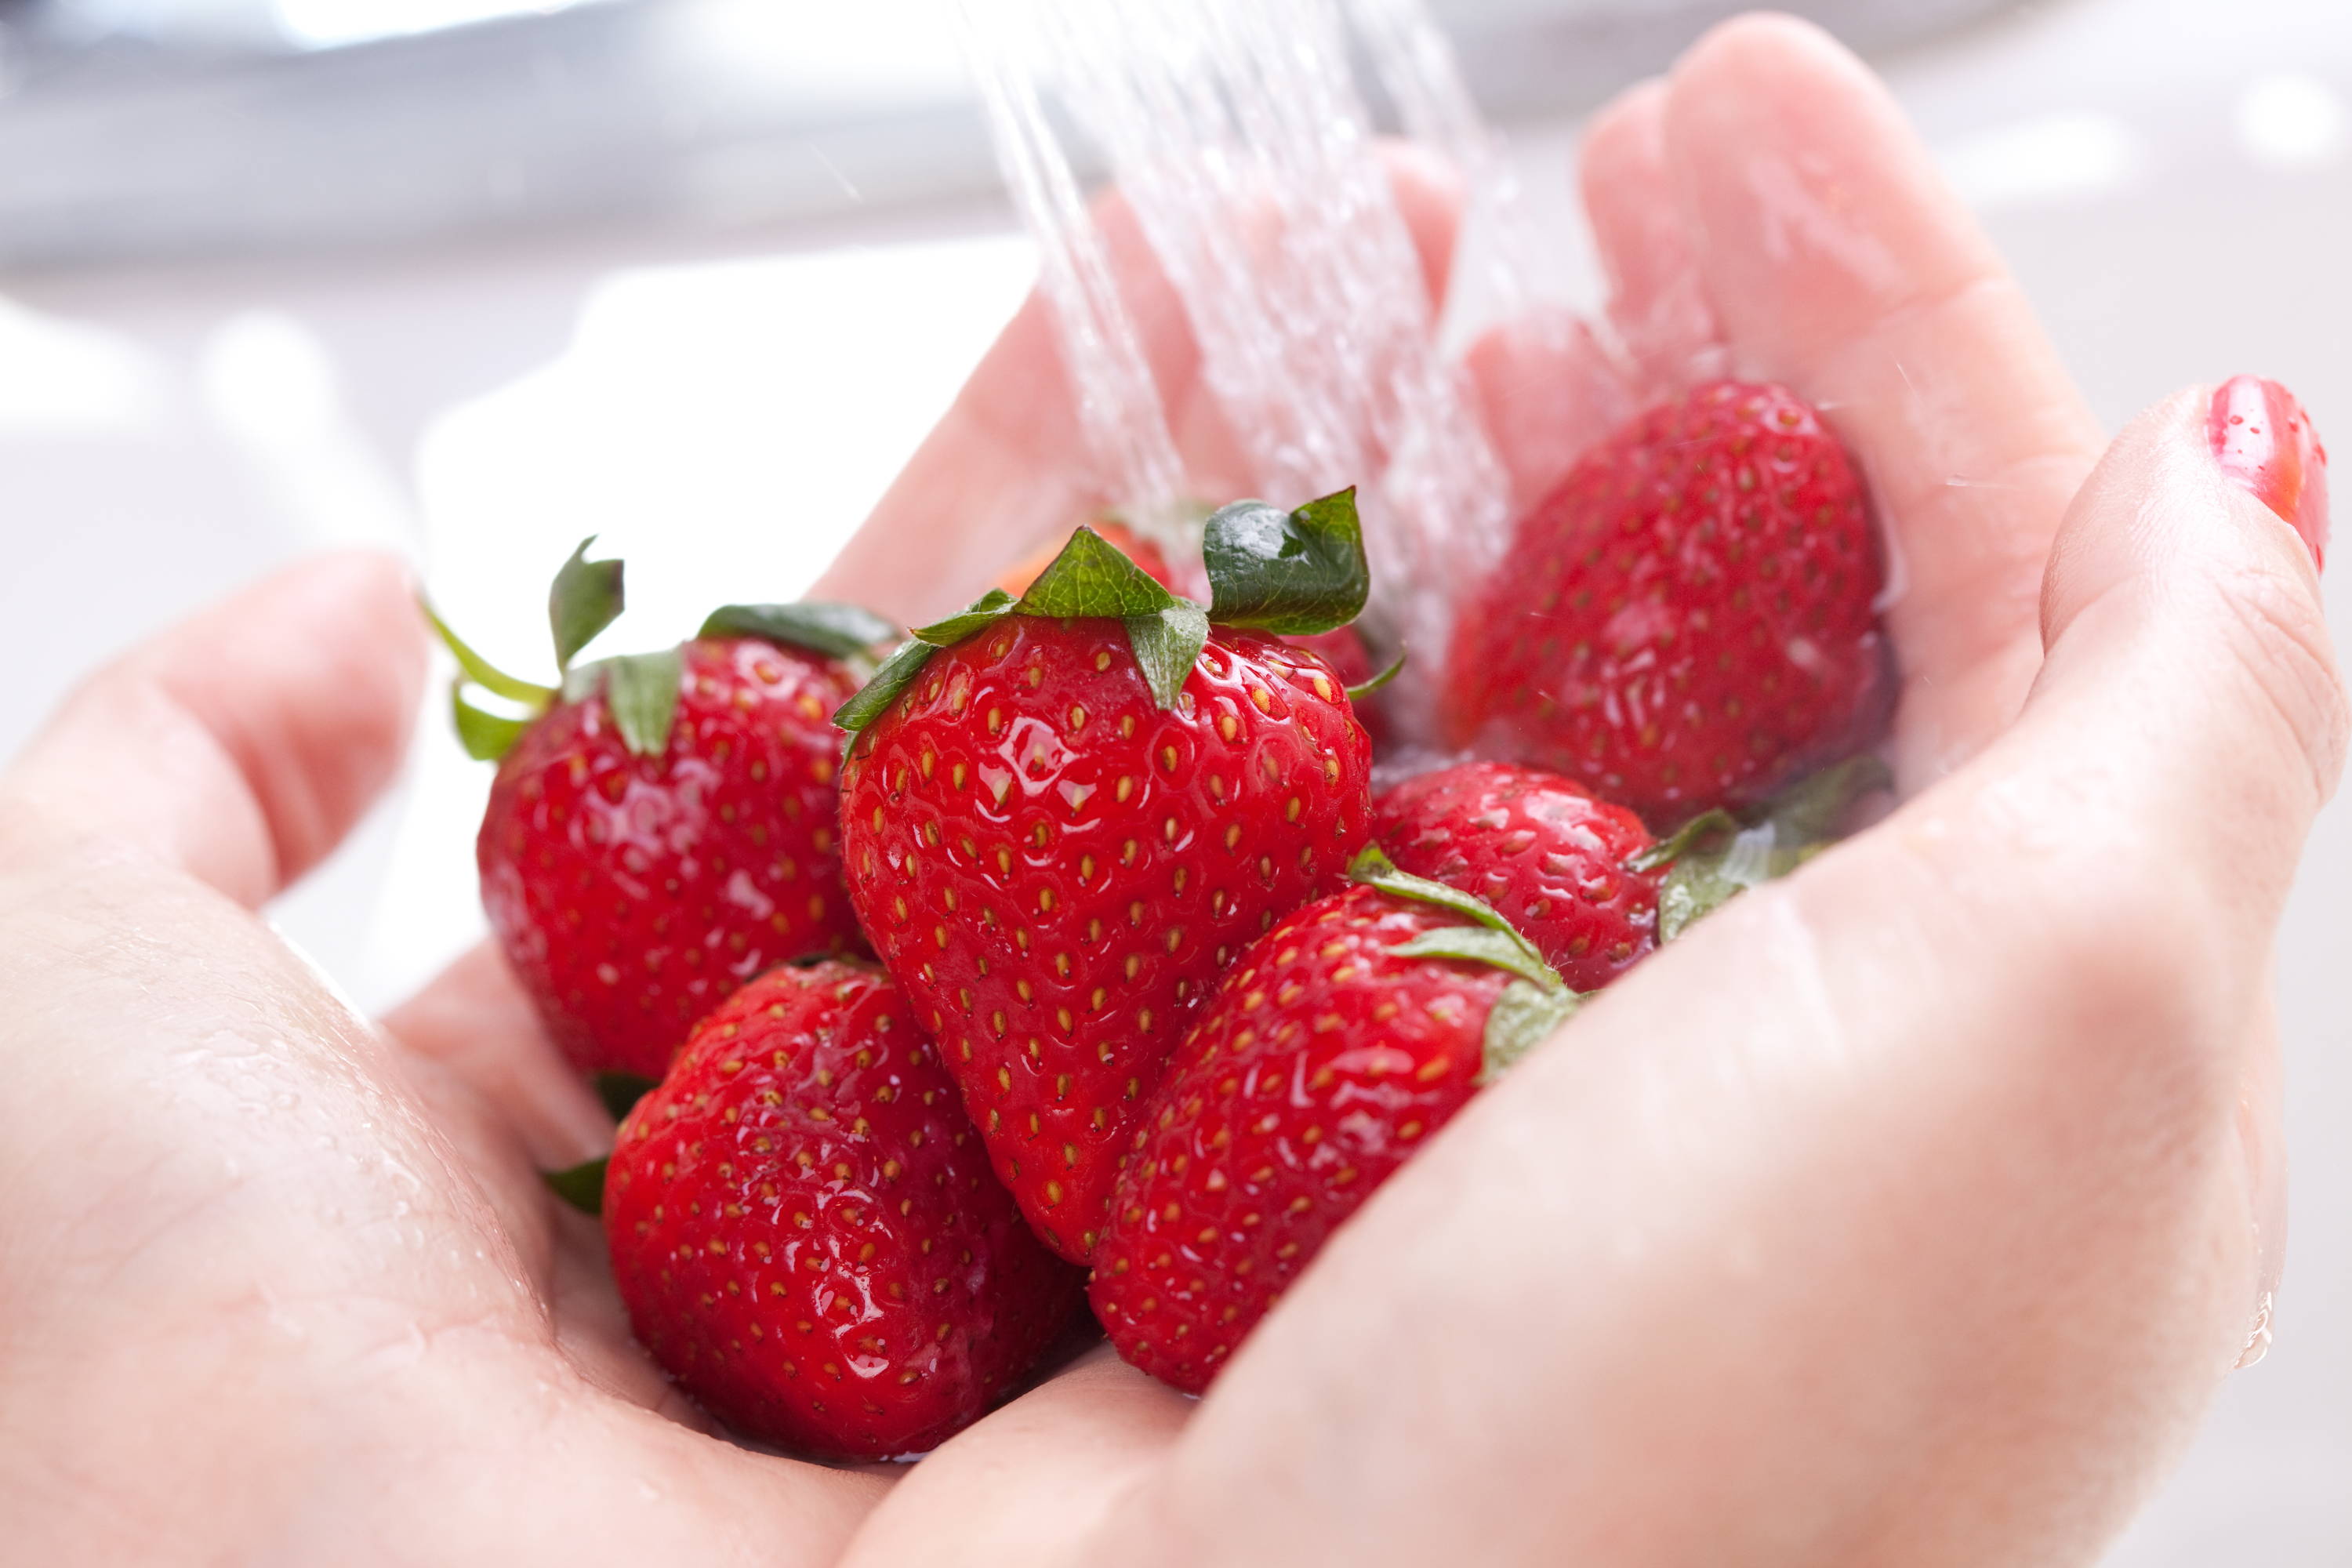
(1331, 1051)
(1057, 835)
(805, 1232)
(1341, 647)
(1550, 859)
(1686, 621)
(666, 828)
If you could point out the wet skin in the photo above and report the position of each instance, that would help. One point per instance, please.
(1907, 1212)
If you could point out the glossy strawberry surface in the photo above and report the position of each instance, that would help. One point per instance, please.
(1343, 649)
(1686, 621)
(630, 894)
(805, 1231)
(1055, 870)
(1322, 1063)
(1542, 850)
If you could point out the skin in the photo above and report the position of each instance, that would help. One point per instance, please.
(1909, 1211)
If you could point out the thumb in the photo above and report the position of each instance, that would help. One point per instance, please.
(2191, 692)
(2189, 679)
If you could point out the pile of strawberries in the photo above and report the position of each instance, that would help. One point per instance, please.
(1090, 966)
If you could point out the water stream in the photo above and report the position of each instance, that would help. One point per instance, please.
(1239, 135)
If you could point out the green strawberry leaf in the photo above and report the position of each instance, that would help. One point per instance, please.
(1477, 944)
(584, 599)
(481, 672)
(1808, 811)
(1680, 842)
(1529, 1009)
(581, 1185)
(622, 1090)
(1293, 573)
(899, 671)
(486, 737)
(1166, 647)
(1363, 690)
(1490, 938)
(641, 689)
(1707, 879)
(981, 613)
(1092, 576)
(1715, 857)
(1524, 1017)
(874, 698)
(836, 631)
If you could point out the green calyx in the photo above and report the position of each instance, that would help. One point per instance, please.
(1716, 856)
(836, 631)
(1292, 573)
(1530, 1008)
(581, 1185)
(585, 597)
(641, 689)
(620, 1091)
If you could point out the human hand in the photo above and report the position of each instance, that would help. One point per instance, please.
(1913, 1228)
(1910, 1210)
(277, 1286)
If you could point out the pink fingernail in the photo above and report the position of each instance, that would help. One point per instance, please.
(2266, 444)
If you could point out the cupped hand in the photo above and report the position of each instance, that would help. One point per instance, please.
(1905, 1211)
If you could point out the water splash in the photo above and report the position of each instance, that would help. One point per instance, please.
(1237, 134)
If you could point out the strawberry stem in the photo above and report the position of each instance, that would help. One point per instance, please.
(482, 672)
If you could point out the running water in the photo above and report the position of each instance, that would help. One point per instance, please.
(1238, 135)
(1118, 406)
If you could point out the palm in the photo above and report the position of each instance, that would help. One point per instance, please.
(327, 1247)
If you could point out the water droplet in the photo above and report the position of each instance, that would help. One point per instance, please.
(2258, 1337)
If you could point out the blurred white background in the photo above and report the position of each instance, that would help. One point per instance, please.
(722, 390)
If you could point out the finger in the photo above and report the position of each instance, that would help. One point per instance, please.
(1546, 390)
(1008, 465)
(475, 1021)
(2190, 669)
(243, 743)
(1838, 262)
(1030, 1482)
(1903, 1211)
(2191, 682)
(1648, 243)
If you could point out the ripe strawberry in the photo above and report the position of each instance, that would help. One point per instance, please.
(1549, 856)
(1331, 1050)
(1341, 647)
(805, 1232)
(1064, 815)
(1686, 621)
(665, 827)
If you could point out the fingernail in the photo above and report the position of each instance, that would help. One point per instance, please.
(2265, 444)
